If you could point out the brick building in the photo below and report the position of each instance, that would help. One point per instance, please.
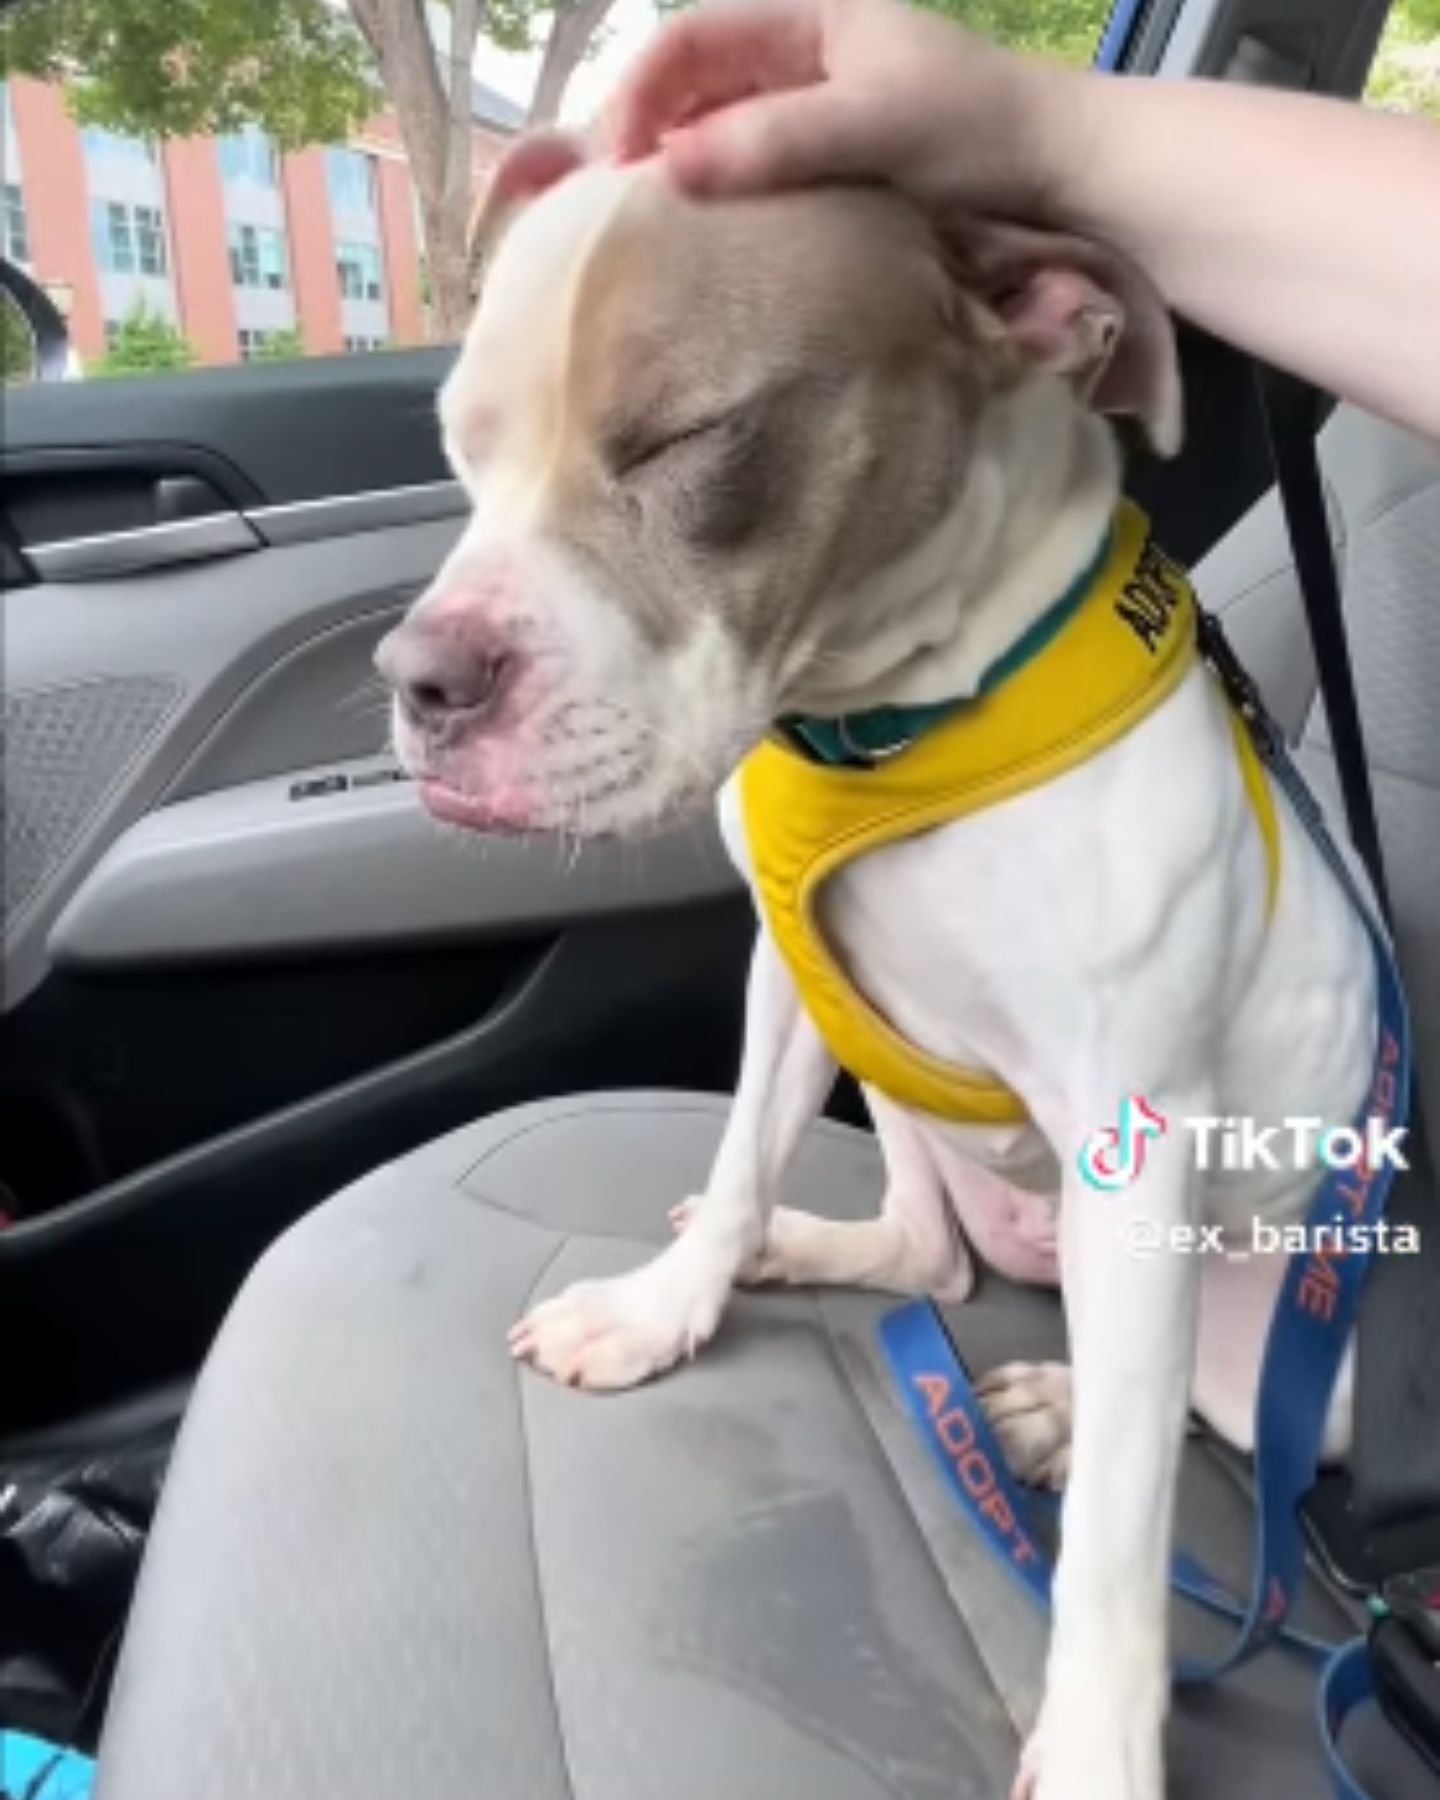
(228, 237)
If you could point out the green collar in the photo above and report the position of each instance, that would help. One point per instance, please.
(860, 740)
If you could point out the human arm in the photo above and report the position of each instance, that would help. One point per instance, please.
(1306, 230)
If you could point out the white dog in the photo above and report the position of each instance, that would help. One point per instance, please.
(796, 458)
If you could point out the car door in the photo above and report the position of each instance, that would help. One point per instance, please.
(240, 965)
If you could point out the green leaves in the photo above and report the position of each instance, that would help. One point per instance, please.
(174, 68)
(1066, 28)
(515, 24)
(17, 343)
(1406, 76)
(281, 346)
(144, 342)
(1418, 19)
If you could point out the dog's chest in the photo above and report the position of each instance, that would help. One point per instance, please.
(938, 933)
(982, 942)
(999, 941)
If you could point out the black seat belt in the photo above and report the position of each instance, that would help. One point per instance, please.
(1396, 1463)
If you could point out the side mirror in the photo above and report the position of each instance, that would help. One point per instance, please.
(29, 311)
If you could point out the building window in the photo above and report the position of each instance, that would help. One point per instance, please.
(350, 175)
(253, 343)
(129, 240)
(14, 232)
(150, 240)
(358, 266)
(360, 344)
(257, 257)
(112, 146)
(249, 156)
(114, 240)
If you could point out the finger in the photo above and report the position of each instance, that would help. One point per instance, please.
(712, 57)
(779, 141)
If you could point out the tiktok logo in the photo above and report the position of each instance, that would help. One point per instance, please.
(1111, 1159)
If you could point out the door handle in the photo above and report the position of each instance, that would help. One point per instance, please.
(161, 546)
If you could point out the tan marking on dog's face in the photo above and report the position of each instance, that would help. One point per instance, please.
(767, 403)
(690, 431)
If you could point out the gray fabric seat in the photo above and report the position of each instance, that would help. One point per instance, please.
(390, 1562)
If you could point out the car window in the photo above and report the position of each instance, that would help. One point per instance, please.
(237, 219)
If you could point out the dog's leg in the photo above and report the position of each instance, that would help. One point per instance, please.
(616, 1333)
(1132, 1319)
(939, 1202)
(915, 1246)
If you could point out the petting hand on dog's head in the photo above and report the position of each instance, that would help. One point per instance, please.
(1324, 266)
(755, 95)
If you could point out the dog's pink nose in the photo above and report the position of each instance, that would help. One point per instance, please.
(441, 675)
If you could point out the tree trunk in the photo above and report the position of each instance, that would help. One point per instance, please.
(449, 258)
(434, 117)
(572, 30)
(432, 101)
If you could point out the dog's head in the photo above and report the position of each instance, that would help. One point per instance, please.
(700, 439)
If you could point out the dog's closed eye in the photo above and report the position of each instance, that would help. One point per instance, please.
(639, 445)
(713, 476)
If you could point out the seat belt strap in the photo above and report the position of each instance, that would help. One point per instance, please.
(1290, 411)
(1396, 1458)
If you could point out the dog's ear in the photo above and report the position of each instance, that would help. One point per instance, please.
(536, 162)
(1081, 311)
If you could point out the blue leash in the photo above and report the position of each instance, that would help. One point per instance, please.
(1312, 1325)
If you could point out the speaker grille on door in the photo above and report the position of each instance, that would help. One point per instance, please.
(66, 749)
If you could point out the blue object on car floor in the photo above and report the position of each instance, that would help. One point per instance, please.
(31, 1769)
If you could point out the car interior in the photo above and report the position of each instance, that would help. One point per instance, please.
(305, 1100)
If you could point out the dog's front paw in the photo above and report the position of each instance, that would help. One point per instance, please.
(620, 1332)
(1090, 1748)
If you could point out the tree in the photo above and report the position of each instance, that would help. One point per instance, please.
(432, 97)
(575, 26)
(176, 68)
(144, 343)
(307, 72)
(433, 106)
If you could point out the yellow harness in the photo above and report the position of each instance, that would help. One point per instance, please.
(1122, 646)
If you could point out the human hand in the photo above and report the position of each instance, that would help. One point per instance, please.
(745, 96)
